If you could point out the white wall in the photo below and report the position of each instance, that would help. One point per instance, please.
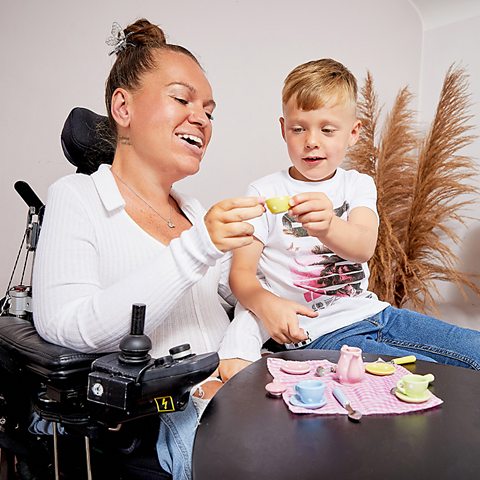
(445, 44)
(53, 57)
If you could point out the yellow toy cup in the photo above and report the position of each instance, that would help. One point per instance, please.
(278, 204)
(413, 385)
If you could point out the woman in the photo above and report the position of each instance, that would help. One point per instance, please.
(123, 235)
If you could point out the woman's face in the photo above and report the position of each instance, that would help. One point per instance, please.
(171, 116)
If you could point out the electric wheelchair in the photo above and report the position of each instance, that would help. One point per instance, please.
(97, 416)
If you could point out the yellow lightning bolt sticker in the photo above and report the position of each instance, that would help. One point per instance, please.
(165, 404)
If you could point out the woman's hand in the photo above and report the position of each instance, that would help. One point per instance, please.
(314, 211)
(208, 389)
(231, 366)
(226, 225)
(226, 369)
(279, 317)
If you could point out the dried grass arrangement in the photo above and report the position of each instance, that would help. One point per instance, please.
(422, 184)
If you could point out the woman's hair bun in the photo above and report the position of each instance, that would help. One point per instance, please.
(142, 33)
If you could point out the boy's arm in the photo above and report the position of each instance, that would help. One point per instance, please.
(278, 315)
(353, 239)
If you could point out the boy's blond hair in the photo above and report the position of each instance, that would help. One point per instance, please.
(319, 83)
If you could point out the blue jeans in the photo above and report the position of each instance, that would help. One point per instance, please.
(399, 332)
(175, 439)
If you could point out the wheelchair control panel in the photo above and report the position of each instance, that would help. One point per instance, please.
(131, 383)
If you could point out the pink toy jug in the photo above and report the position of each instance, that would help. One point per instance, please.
(350, 368)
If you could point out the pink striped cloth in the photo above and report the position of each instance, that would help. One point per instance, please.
(371, 396)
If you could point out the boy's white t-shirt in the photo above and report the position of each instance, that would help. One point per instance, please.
(300, 268)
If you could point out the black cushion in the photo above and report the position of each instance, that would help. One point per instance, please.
(86, 140)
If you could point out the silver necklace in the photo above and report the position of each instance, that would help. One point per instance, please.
(167, 221)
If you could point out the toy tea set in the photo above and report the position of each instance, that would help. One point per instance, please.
(350, 371)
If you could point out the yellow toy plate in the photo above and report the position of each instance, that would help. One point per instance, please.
(426, 396)
(380, 368)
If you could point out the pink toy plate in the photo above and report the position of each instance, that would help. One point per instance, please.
(275, 388)
(295, 368)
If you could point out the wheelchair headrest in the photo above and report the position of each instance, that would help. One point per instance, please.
(85, 140)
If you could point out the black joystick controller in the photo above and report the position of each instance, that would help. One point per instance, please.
(129, 383)
(135, 347)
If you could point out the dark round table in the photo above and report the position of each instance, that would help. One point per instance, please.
(245, 435)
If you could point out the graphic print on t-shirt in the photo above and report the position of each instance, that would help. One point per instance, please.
(323, 275)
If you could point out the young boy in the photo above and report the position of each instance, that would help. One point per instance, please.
(304, 280)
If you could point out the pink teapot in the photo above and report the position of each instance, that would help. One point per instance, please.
(350, 368)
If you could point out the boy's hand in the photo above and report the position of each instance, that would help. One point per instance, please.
(314, 211)
(225, 221)
(279, 317)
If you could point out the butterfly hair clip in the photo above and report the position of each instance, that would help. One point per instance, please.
(118, 39)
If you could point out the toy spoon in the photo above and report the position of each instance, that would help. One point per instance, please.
(353, 415)
(321, 371)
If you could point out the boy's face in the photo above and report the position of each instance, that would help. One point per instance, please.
(317, 140)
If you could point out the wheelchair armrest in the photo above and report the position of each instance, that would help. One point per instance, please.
(21, 344)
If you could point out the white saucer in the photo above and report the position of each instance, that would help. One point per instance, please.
(406, 398)
(295, 400)
(295, 368)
